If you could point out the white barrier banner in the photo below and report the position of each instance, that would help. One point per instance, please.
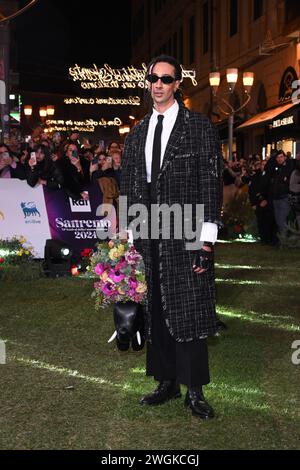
(23, 213)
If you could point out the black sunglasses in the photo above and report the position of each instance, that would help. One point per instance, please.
(166, 79)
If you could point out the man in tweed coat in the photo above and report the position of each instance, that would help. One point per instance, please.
(180, 308)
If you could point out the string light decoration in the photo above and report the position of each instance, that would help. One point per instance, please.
(55, 128)
(130, 101)
(88, 125)
(108, 77)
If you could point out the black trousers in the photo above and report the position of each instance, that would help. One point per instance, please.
(266, 224)
(167, 359)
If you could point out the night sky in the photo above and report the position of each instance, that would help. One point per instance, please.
(55, 34)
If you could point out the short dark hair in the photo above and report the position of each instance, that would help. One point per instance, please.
(45, 150)
(169, 60)
(280, 152)
(177, 67)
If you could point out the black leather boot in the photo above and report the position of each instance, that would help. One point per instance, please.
(195, 400)
(166, 390)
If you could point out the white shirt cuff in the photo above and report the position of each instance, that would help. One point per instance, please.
(209, 232)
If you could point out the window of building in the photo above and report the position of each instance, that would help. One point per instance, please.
(233, 28)
(257, 9)
(292, 10)
(205, 28)
(192, 40)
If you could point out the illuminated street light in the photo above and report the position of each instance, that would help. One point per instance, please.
(43, 112)
(50, 110)
(28, 110)
(248, 79)
(214, 81)
(232, 78)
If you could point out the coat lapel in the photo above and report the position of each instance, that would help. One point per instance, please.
(177, 136)
(141, 145)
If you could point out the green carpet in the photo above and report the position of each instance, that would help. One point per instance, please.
(64, 387)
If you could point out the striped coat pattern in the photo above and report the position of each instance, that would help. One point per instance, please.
(191, 173)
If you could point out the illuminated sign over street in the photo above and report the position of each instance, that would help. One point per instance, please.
(107, 77)
(130, 101)
(88, 125)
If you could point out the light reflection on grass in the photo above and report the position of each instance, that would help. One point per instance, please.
(271, 321)
(254, 267)
(229, 394)
(242, 396)
(257, 283)
(235, 266)
(138, 370)
(239, 240)
(241, 283)
(64, 371)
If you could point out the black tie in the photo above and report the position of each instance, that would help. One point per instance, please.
(156, 153)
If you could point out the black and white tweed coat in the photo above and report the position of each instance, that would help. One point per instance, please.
(191, 173)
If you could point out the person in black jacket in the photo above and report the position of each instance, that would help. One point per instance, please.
(9, 168)
(259, 200)
(279, 178)
(75, 170)
(173, 157)
(42, 170)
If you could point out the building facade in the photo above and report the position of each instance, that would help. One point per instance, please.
(261, 36)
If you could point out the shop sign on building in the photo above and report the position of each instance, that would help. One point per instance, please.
(283, 122)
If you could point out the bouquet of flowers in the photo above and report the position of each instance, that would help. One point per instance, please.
(119, 270)
(15, 251)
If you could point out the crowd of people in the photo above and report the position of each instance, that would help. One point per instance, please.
(65, 163)
(273, 184)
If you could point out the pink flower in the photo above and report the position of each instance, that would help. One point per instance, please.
(132, 283)
(99, 269)
(132, 256)
(107, 289)
(121, 264)
(115, 275)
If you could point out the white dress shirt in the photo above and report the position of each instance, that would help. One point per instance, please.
(167, 125)
(209, 231)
